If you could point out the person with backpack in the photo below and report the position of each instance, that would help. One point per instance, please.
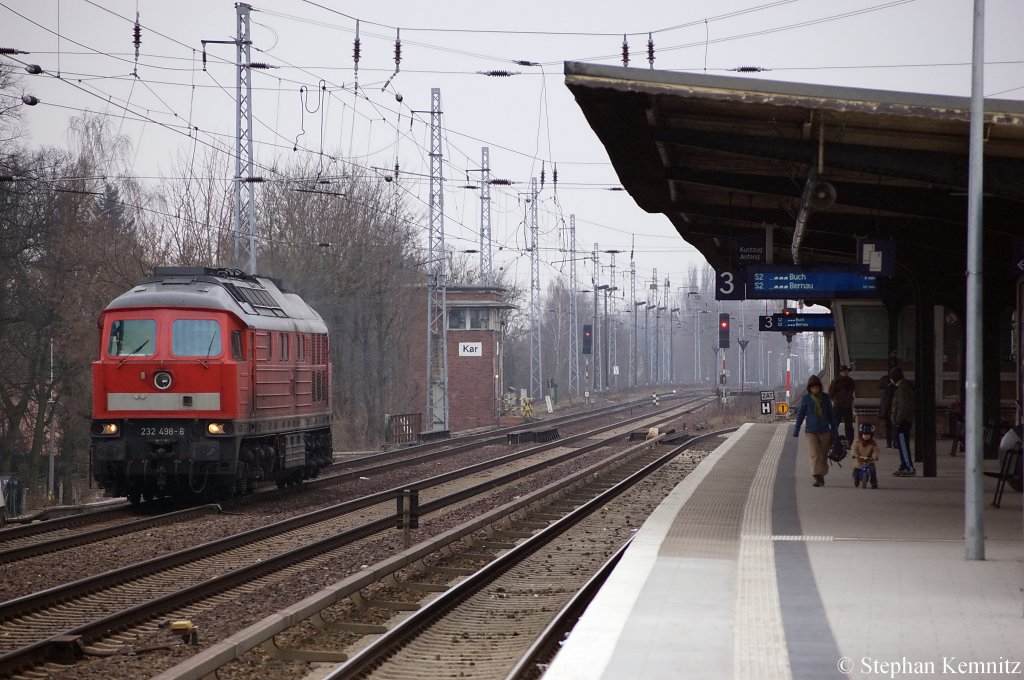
(816, 408)
(841, 393)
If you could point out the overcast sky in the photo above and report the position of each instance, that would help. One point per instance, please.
(528, 119)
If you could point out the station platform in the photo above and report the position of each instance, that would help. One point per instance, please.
(747, 571)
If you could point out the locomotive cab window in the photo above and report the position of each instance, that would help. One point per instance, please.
(195, 338)
(236, 345)
(132, 338)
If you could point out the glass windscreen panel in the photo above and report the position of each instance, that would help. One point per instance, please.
(195, 338)
(132, 338)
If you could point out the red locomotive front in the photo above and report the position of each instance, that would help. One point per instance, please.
(208, 381)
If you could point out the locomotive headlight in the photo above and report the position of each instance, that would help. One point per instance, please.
(220, 428)
(162, 380)
(105, 429)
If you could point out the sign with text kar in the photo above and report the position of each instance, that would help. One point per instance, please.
(471, 349)
(802, 283)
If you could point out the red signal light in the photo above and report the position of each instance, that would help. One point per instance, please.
(723, 331)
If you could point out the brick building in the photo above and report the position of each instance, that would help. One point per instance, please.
(474, 357)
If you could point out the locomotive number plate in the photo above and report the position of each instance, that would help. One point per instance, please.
(162, 432)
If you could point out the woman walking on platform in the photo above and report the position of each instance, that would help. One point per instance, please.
(816, 407)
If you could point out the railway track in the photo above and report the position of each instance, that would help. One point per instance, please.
(62, 538)
(344, 612)
(487, 623)
(52, 536)
(35, 628)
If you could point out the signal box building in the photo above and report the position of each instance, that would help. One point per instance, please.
(475, 378)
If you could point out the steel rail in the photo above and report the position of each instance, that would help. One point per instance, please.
(66, 542)
(46, 648)
(209, 660)
(376, 653)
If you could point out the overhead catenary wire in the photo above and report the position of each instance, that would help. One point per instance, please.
(354, 109)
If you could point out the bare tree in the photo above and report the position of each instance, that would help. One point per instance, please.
(350, 249)
(67, 239)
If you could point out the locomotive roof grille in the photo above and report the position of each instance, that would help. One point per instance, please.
(251, 293)
(262, 301)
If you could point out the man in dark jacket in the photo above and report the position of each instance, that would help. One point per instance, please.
(841, 391)
(902, 415)
(885, 409)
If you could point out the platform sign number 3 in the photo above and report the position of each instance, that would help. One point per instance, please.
(730, 285)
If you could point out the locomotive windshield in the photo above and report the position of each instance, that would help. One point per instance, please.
(132, 337)
(195, 338)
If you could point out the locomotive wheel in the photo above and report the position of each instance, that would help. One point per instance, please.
(241, 479)
(282, 482)
(135, 498)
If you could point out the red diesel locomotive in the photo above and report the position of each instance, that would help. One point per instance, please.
(208, 382)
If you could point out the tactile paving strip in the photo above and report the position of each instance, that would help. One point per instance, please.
(708, 526)
(759, 643)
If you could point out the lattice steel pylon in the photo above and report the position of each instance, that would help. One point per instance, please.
(574, 327)
(666, 363)
(536, 370)
(245, 200)
(633, 342)
(598, 383)
(437, 321)
(611, 379)
(485, 215)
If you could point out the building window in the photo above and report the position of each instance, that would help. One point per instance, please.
(456, 319)
(479, 319)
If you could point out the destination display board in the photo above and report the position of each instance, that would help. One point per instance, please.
(794, 323)
(799, 283)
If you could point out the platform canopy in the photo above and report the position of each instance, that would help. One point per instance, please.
(730, 159)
